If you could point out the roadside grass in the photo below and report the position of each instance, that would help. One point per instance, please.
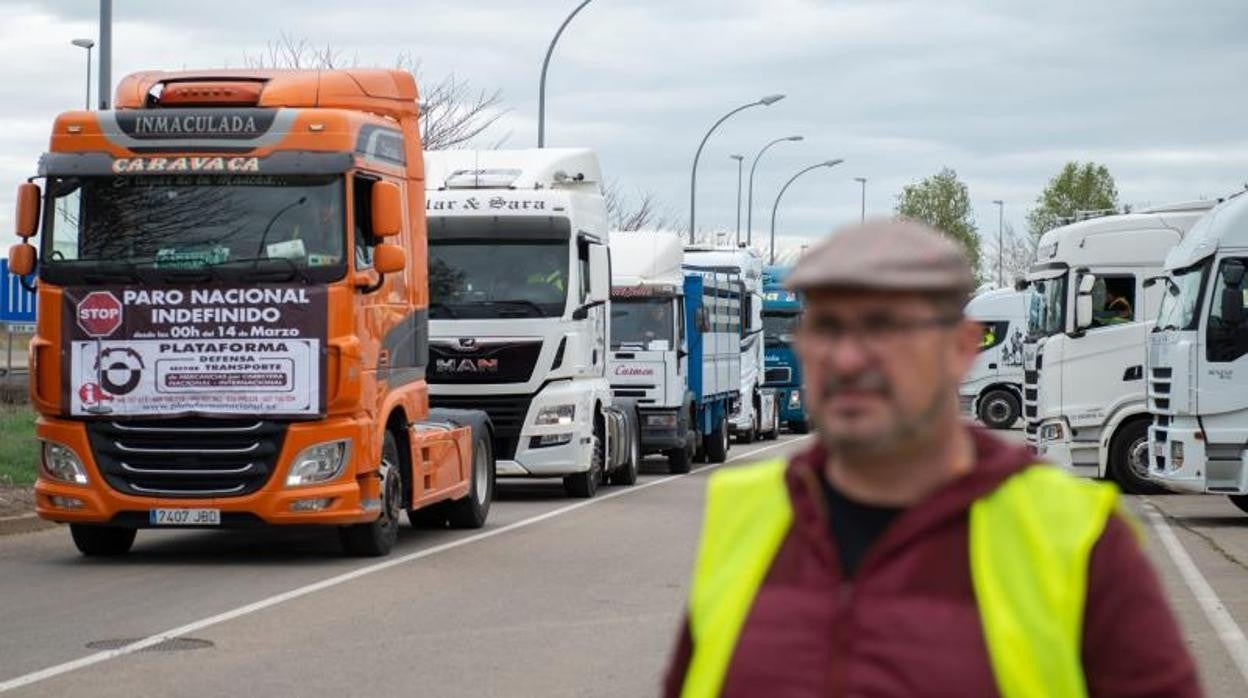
(19, 451)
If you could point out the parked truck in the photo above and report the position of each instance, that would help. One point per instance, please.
(993, 389)
(520, 294)
(1198, 360)
(782, 309)
(1090, 311)
(232, 313)
(755, 412)
(675, 347)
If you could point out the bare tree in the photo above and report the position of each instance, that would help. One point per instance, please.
(642, 212)
(1019, 253)
(453, 113)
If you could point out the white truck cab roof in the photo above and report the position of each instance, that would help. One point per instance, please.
(748, 260)
(647, 259)
(1118, 240)
(522, 169)
(1225, 226)
(997, 304)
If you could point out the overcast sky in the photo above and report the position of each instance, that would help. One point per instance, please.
(1003, 92)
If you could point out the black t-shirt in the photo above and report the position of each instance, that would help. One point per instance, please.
(854, 526)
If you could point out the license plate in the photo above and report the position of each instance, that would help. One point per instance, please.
(184, 517)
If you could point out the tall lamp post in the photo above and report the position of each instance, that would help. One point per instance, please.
(740, 165)
(1000, 241)
(693, 177)
(863, 182)
(88, 44)
(776, 206)
(749, 217)
(541, 92)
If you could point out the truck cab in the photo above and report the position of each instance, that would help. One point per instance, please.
(520, 278)
(782, 373)
(1198, 360)
(1090, 310)
(992, 391)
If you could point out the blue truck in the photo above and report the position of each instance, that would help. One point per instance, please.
(781, 310)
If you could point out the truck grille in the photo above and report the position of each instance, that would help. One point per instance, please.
(484, 362)
(779, 375)
(192, 457)
(1159, 385)
(506, 412)
(1031, 413)
(643, 393)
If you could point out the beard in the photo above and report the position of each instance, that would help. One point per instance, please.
(897, 432)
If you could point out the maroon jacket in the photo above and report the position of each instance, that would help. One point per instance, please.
(908, 625)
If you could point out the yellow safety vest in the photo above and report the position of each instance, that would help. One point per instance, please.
(1030, 542)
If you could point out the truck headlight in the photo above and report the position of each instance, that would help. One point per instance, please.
(661, 420)
(795, 400)
(1176, 455)
(1052, 432)
(61, 463)
(556, 415)
(318, 463)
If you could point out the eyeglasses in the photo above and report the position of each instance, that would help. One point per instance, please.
(873, 331)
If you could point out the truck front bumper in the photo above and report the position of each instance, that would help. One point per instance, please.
(1184, 463)
(352, 497)
(661, 430)
(792, 406)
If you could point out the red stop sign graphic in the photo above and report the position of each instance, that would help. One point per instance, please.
(99, 314)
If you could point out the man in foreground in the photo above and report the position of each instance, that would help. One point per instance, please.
(907, 554)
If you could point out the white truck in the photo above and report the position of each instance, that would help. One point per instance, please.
(519, 285)
(1089, 315)
(756, 411)
(1198, 360)
(675, 347)
(993, 389)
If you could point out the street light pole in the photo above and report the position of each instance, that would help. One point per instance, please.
(863, 182)
(541, 93)
(693, 177)
(776, 206)
(749, 217)
(1000, 241)
(104, 93)
(88, 44)
(740, 164)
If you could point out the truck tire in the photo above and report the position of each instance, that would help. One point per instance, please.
(1240, 501)
(473, 510)
(1128, 459)
(679, 461)
(626, 474)
(799, 426)
(376, 538)
(585, 485)
(102, 541)
(999, 409)
(716, 446)
(775, 423)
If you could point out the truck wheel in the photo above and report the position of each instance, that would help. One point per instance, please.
(799, 426)
(585, 485)
(679, 461)
(626, 474)
(999, 409)
(775, 423)
(471, 511)
(717, 443)
(1128, 460)
(376, 538)
(102, 541)
(1239, 500)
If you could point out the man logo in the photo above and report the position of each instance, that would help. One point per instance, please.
(461, 366)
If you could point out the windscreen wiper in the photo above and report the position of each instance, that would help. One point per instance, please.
(110, 271)
(292, 270)
(520, 302)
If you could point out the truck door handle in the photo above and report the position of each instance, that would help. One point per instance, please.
(1133, 373)
(992, 366)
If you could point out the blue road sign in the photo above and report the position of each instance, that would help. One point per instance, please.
(17, 305)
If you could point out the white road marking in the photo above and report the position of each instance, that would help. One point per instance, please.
(1215, 611)
(196, 626)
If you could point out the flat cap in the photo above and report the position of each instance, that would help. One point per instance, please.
(886, 255)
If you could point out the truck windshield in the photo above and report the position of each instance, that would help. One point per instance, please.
(778, 328)
(1046, 308)
(639, 321)
(486, 268)
(1180, 304)
(117, 227)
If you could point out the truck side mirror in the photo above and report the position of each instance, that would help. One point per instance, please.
(389, 259)
(1233, 273)
(599, 274)
(387, 209)
(1083, 302)
(28, 199)
(22, 259)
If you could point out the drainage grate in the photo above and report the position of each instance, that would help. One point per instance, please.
(176, 644)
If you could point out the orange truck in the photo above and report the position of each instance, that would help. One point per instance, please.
(232, 313)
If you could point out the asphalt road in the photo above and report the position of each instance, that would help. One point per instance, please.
(555, 597)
